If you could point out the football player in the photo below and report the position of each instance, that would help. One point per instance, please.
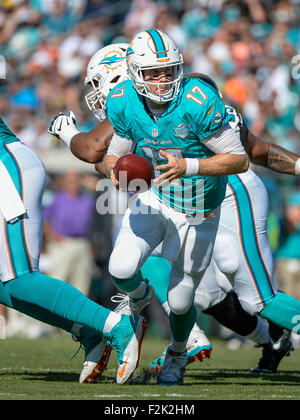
(103, 73)
(24, 288)
(185, 216)
(258, 151)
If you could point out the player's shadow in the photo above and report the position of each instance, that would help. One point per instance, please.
(50, 376)
(217, 377)
(224, 377)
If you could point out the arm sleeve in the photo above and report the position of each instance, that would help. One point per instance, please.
(225, 140)
(119, 146)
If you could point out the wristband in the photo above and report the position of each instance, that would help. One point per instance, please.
(67, 134)
(192, 167)
(297, 167)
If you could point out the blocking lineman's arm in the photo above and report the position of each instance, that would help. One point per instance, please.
(92, 146)
(89, 147)
(100, 168)
(269, 155)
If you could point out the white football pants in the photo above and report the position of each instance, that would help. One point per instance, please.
(149, 222)
(20, 242)
(242, 258)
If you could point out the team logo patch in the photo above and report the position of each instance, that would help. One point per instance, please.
(182, 131)
(217, 118)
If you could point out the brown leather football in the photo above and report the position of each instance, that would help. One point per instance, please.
(134, 172)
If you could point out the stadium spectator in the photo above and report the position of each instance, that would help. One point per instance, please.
(67, 221)
(60, 18)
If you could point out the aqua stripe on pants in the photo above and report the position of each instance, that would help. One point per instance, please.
(15, 236)
(249, 239)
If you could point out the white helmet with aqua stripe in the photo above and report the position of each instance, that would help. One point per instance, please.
(105, 70)
(153, 49)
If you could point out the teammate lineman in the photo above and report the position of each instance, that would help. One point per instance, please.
(24, 288)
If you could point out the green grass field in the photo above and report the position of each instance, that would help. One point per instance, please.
(42, 370)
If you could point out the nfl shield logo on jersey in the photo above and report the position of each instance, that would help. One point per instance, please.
(181, 131)
(154, 132)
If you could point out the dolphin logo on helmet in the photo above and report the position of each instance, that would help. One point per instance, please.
(105, 70)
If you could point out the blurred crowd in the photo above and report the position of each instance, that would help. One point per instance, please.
(251, 48)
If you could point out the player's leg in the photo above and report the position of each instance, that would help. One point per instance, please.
(242, 250)
(25, 288)
(54, 302)
(21, 244)
(253, 280)
(157, 271)
(60, 304)
(284, 311)
(142, 229)
(216, 297)
(187, 272)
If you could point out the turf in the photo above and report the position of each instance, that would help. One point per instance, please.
(42, 370)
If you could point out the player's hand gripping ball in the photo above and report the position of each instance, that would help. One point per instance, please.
(134, 173)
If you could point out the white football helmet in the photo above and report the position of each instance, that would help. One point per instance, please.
(105, 70)
(150, 50)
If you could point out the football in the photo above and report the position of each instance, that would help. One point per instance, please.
(134, 172)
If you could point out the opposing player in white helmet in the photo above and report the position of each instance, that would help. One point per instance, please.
(105, 70)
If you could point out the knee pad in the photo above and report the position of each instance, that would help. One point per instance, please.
(226, 254)
(124, 261)
(205, 299)
(202, 300)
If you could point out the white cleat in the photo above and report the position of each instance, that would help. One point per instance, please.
(198, 346)
(95, 363)
(198, 349)
(126, 338)
(130, 306)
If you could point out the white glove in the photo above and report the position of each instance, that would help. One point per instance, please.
(63, 126)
